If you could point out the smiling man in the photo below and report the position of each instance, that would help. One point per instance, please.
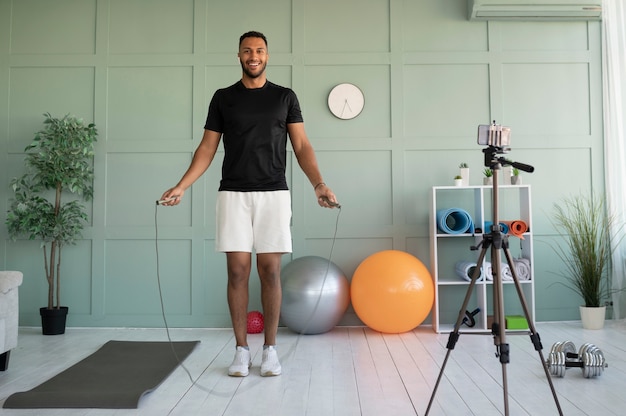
(253, 59)
(254, 117)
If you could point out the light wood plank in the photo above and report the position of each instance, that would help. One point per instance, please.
(348, 371)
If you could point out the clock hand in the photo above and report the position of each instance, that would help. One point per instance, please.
(343, 110)
(349, 108)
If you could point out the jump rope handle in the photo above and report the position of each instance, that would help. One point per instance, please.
(163, 201)
(332, 204)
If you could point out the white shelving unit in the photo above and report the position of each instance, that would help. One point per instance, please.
(446, 249)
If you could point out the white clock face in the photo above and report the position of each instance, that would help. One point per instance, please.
(346, 101)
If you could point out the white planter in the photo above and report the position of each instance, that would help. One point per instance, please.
(592, 318)
(516, 180)
(488, 180)
(465, 175)
(458, 182)
(507, 173)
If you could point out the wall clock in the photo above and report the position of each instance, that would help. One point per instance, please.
(346, 101)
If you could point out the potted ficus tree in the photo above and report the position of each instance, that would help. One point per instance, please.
(58, 164)
(590, 234)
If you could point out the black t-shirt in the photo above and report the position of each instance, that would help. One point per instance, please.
(253, 123)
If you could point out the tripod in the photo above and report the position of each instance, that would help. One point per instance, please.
(495, 240)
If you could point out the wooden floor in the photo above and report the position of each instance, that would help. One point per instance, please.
(345, 372)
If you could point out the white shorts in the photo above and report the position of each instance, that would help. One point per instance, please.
(253, 220)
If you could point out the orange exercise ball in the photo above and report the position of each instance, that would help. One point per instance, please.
(392, 291)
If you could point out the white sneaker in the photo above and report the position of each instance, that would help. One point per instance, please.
(241, 364)
(270, 366)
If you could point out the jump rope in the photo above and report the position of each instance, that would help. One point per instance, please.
(290, 352)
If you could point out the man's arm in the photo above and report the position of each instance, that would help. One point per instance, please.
(202, 158)
(308, 163)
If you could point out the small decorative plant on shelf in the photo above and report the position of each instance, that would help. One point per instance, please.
(464, 174)
(516, 179)
(591, 234)
(58, 163)
(458, 180)
(488, 179)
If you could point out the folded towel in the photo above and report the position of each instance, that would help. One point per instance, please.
(507, 276)
(488, 271)
(522, 268)
(505, 271)
(465, 270)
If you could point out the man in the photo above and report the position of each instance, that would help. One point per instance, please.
(254, 117)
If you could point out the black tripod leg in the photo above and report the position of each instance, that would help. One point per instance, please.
(454, 335)
(534, 335)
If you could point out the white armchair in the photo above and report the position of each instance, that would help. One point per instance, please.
(9, 314)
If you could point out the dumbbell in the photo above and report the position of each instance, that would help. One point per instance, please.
(589, 359)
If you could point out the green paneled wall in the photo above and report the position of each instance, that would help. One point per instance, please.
(145, 70)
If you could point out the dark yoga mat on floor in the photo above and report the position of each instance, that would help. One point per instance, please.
(114, 377)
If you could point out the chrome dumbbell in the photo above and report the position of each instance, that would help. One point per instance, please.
(589, 359)
(593, 362)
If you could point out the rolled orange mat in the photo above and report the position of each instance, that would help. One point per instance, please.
(517, 228)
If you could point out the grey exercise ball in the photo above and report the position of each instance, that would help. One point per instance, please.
(316, 294)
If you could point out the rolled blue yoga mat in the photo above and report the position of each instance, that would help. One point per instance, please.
(455, 221)
(503, 227)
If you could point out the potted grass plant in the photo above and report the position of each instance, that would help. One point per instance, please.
(488, 176)
(516, 178)
(590, 232)
(464, 172)
(58, 164)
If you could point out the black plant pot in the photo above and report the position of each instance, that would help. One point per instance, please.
(53, 320)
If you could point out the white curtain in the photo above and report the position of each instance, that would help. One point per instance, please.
(614, 101)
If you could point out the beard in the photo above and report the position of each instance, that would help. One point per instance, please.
(250, 74)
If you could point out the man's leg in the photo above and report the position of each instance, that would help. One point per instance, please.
(239, 264)
(268, 266)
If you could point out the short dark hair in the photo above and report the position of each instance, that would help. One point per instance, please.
(253, 34)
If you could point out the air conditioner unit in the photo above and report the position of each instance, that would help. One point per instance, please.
(534, 10)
